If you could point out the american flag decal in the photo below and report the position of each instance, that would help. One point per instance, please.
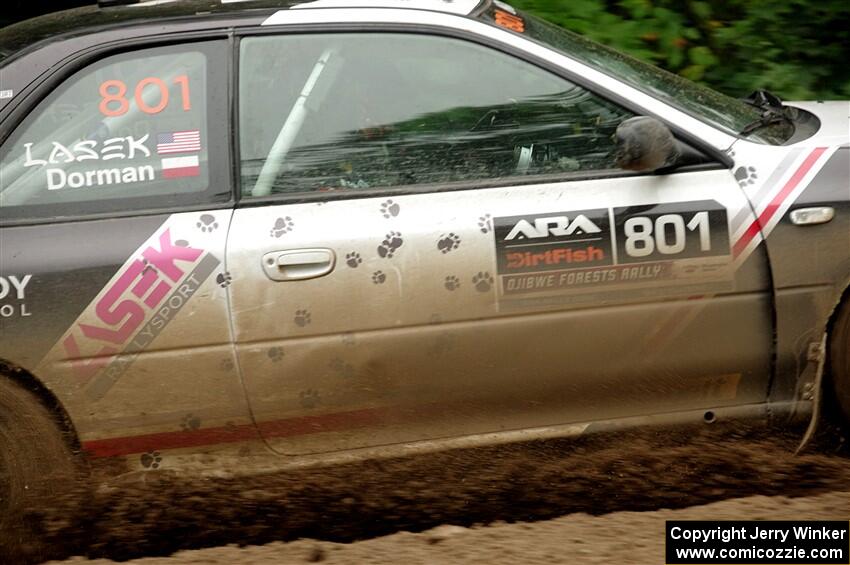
(178, 142)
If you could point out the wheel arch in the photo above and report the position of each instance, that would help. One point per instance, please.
(843, 298)
(18, 374)
(826, 389)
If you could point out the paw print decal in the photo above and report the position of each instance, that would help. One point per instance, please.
(485, 223)
(281, 226)
(448, 242)
(483, 281)
(452, 282)
(309, 398)
(206, 223)
(353, 259)
(151, 460)
(190, 422)
(224, 279)
(302, 318)
(181, 243)
(275, 354)
(379, 277)
(390, 209)
(745, 176)
(390, 244)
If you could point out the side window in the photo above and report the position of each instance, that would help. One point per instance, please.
(132, 131)
(357, 111)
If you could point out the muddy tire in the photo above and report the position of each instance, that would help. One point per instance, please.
(37, 468)
(839, 362)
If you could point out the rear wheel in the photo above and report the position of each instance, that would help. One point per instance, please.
(839, 360)
(37, 466)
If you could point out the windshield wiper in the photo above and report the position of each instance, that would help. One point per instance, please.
(773, 111)
(768, 118)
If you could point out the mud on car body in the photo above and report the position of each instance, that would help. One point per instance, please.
(307, 229)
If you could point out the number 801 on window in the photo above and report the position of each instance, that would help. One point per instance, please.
(671, 231)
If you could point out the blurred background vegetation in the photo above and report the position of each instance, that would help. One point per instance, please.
(798, 49)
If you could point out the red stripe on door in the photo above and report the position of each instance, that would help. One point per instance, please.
(774, 205)
(113, 447)
(289, 427)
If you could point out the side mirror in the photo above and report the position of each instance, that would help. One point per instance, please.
(645, 144)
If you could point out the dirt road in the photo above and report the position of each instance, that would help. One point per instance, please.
(621, 537)
(541, 488)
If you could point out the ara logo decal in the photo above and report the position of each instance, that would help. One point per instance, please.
(553, 225)
(143, 297)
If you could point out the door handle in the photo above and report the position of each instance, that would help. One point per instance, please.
(298, 264)
(812, 216)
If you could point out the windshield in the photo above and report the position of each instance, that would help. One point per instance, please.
(724, 112)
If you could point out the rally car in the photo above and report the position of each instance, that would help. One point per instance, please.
(323, 229)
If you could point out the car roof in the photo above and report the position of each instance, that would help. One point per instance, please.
(17, 37)
(463, 7)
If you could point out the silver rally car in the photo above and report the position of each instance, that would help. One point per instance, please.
(330, 229)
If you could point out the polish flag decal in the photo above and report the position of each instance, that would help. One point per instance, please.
(178, 167)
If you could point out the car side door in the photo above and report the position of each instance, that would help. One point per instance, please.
(115, 202)
(418, 255)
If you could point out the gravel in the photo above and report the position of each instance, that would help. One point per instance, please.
(589, 497)
(620, 537)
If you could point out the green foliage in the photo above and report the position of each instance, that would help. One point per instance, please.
(798, 49)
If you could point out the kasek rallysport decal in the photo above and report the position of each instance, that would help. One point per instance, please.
(583, 250)
(137, 304)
